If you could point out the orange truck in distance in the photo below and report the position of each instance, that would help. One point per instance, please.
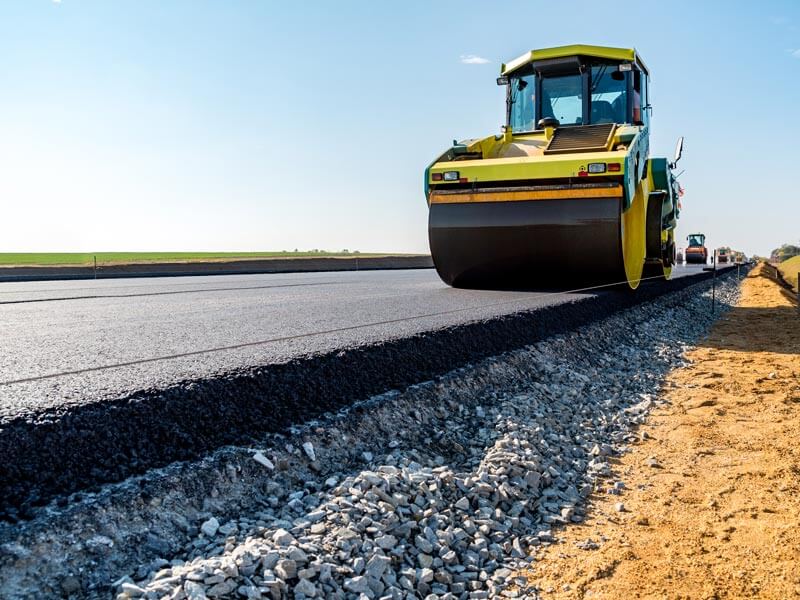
(696, 252)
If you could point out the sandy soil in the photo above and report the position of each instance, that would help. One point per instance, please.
(712, 492)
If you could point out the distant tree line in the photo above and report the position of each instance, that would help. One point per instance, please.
(785, 252)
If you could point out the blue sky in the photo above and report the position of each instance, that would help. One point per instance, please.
(192, 125)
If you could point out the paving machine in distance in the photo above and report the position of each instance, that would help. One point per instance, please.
(568, 195)
(723, 255)
(696, 251)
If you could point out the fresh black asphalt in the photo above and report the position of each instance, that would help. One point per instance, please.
(102, 380)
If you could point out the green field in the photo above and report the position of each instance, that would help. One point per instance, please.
(120, 258)
(789, 269)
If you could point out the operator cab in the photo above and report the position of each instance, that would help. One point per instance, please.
(576, 90)
(696, 240)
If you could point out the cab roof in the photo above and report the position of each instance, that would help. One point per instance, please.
(609, 53)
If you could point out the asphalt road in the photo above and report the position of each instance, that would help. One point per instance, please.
(75, 342)
(113, 378)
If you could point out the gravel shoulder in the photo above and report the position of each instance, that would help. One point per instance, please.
(710, 493)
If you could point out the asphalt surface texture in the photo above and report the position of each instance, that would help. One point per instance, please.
(110, 378)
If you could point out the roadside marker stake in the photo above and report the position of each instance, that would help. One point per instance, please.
(714, 282)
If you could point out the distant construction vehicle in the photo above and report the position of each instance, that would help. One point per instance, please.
(723, 255)
(696, 251)
(568, 194)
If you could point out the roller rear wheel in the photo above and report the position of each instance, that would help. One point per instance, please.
(660, 241)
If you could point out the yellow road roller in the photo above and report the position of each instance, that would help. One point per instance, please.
(568, 194)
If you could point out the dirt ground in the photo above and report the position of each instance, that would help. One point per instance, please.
(712, 492)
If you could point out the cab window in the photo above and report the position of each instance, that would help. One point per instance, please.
(562, 98)
(695, 240)
(523, 103)
(638, 98)
(608, 94)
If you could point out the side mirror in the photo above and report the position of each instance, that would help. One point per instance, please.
(678, 152)
(502, 80)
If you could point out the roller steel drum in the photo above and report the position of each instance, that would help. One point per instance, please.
(528, 244)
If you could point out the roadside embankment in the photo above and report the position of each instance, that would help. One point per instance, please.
(790, 271)
(705, 505)
(217, 267)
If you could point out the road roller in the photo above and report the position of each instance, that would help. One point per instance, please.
(567, 195)
(696, 251)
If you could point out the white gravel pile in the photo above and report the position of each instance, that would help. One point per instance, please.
(464, 487)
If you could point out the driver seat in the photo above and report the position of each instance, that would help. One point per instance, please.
(602, 112)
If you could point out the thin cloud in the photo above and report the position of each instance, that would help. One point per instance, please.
(796, 53)
(472, 59)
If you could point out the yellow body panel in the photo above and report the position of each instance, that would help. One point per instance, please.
(523, 195)
(543, 167)
(522, 157)
(619, 54)
(633, 235)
